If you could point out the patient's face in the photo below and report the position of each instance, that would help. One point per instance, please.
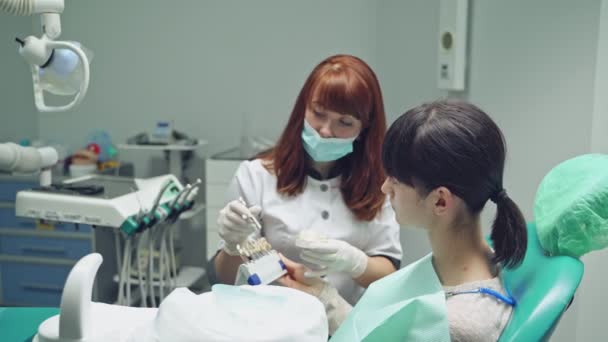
(410, 208)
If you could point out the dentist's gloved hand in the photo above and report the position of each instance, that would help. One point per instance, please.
(332, 256)
(234, 228)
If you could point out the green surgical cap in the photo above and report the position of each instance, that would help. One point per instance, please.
(571, 206)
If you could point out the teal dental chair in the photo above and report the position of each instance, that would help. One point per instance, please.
(543, 288)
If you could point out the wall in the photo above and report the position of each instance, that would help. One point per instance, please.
(17, 112)
(532, 67)
(206, 65)
(592, 298)
(406, 47)
(406, 64)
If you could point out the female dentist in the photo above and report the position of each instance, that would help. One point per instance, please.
(323, 175)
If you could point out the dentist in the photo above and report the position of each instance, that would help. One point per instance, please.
(323, 176)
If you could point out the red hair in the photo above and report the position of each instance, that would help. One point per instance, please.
(343, 84)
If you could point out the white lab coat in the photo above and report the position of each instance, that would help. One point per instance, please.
(321, 208)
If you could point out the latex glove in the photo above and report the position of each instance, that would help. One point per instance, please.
(332, 256)
(234, 226)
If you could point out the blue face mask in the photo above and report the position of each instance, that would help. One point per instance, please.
(325, 149)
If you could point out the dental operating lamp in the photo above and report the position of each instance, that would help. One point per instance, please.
(58, 67)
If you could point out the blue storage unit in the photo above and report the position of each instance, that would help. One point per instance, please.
(35, 257)
(9, 189)
(33, 284)
(46, 247)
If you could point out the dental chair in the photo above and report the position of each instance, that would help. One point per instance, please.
(543, 287)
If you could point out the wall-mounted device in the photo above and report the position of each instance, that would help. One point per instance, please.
(452, 52)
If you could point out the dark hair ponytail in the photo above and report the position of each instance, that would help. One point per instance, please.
(456, 145)
(509, 234)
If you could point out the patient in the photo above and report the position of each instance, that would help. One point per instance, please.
(445, 160)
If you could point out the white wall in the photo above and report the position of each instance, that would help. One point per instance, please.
(205, 64)
(599, 136)
(592, 298)
(533, 70)
(406, 45)
(17, 114)
(532, 66)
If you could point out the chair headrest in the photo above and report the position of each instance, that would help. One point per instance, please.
(571, 206)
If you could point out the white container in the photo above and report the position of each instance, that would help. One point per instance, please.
(82, 170)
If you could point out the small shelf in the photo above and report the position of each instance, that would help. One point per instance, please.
(170, 147)
(175, 153)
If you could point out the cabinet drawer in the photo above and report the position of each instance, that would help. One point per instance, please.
(44, 247)
(8, 219)
(33, 284)
(8, 190)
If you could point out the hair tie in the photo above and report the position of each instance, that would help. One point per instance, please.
(499, 195)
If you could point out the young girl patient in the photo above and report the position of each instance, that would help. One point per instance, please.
(444, 161)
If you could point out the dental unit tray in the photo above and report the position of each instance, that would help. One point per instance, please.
(117, 202)
(262, 264)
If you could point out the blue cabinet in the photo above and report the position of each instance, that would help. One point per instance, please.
(32, 284)
(9, 189)
(45, 247)
(35, 257)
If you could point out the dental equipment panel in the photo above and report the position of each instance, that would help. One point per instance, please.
(142, 213)
(130, 205)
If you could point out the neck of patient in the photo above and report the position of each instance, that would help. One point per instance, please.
(460, 254)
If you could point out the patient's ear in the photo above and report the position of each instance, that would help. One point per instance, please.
(441, 200)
